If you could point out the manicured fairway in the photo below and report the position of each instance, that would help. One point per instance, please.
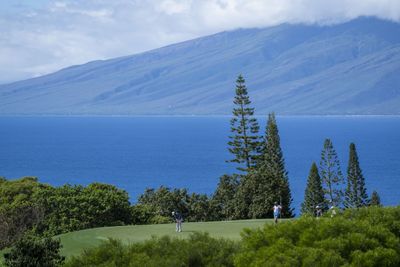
(74, 243)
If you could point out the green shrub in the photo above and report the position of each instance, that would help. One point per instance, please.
(363, 237)
(164, 200)
(71, 208)
(32, 251)
(198, 250)
(19, 211)
(27, 205)
(142, 213)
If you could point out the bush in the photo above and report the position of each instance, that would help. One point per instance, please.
(71, 208)
(32, 251)
(27, 205)
(162, 201)
(19, 211)
(198, 250)
(141, 214)
(361, 237)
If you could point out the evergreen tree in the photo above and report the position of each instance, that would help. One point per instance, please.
(223, 200)
(314, 194)
(243, 198)
(263, 188)
(244, 142)
(356, 193)
(375, 199)
(331, 175)
(272, 165)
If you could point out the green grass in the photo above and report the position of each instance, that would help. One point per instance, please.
(75, 242)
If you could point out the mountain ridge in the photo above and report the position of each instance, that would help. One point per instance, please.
(349, 68)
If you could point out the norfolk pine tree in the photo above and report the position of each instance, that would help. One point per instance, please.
(274, 164)
(314, 194)
(244, 141)
(356, 193)
(331, 175)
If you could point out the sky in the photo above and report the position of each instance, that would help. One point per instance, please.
(42, 36)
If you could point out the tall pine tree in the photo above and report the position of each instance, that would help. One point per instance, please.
(356, 193)
(272, 164)
(314, 194)
(331, 175)
(244, 141)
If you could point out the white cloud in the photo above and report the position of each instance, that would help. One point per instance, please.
(41, 38)
(171, 7)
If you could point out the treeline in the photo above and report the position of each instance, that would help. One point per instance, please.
(327, 187)
(27, 206)
(263, 180)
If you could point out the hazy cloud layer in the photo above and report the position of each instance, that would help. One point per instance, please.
(41, 36)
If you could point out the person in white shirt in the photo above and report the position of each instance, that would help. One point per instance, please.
(277, 211)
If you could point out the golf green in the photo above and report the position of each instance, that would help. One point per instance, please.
(75, 242)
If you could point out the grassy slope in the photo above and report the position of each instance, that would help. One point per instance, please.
(74, 243)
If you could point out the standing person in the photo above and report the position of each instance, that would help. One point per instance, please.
(178, 220)
(333, 211)
(277, 212)
(318, 211)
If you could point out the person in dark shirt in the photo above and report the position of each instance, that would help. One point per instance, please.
(178, 220)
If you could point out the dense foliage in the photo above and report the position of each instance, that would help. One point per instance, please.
(19, 211)
(71, 208)
(364, 237)
(31, 251)
(198, 250)
(223, 203)
(27, 205)
(155, 206)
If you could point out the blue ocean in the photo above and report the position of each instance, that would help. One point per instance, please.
(135, 153)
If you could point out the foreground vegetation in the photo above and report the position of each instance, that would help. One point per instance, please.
(363, 237)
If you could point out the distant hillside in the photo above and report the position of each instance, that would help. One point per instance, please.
(350, 68)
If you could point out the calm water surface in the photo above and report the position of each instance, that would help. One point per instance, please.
(138, 152)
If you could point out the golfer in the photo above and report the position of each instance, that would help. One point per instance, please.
(277, 211)
(178, 220)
